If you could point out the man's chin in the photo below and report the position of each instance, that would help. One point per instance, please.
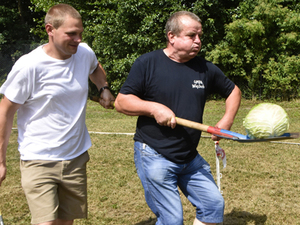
(72, 52)
(194, 53)
(73, 49)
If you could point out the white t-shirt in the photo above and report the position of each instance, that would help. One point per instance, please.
(53, 94)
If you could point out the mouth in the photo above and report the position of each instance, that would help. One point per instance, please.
(74, 45)
(197, 48)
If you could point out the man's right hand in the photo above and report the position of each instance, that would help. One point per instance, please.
(163, 115)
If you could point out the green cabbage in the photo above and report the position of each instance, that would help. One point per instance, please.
(266, 120)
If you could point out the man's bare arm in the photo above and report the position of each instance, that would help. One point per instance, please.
(98, 77)
(134, 106)
(7, 112)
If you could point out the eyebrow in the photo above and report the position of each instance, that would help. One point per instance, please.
(74, 31)
(194, 33)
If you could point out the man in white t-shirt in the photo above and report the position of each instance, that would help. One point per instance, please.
(49, 88)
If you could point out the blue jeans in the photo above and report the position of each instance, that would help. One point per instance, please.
(160, 179)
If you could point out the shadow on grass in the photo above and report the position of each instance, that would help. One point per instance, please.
(233, 218)
(150, 221)
(243, 218)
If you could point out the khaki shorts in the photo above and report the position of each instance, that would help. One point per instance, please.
(55, 189)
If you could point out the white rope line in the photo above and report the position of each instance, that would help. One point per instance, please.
(281, 142)
(95, 132)
(116, 133)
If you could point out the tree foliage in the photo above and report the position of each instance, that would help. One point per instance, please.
(255, 42)
(16, 19)
(120, 31)
(261, 49)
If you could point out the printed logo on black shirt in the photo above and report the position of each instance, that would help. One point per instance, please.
(198, 84)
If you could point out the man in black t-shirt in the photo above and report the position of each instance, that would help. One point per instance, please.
(161, 85)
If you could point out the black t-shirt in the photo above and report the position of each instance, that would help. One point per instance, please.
(183, 87)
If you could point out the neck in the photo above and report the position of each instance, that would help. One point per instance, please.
(51, 51)
(175, 56)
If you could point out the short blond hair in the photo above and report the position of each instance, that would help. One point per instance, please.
(56, 14)
(174, 24)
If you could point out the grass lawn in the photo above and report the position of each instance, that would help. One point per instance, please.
(260, 184)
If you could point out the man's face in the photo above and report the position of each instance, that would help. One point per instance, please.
(67, 37)
(187, 43)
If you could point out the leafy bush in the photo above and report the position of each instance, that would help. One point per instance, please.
(256, 43)
(261, 49)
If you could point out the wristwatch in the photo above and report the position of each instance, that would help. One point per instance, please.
(102, 89)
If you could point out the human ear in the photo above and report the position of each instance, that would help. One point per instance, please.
(49, 29)
(171, 37)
